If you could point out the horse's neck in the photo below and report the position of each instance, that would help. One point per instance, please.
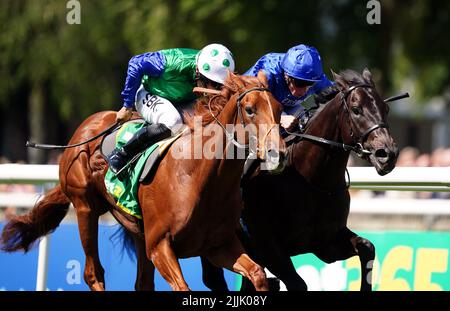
(312, 159)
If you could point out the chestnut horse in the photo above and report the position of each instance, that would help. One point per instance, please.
(190, 206)
(308, 205)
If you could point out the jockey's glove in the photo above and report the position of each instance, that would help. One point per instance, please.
(124, 115)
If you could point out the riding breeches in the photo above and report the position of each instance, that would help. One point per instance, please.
(155, 109)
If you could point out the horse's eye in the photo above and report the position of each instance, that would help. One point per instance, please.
(356, 110)
(250, 111)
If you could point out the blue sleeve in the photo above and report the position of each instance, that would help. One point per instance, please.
(253, 71)
(271, 65)
(151, 64)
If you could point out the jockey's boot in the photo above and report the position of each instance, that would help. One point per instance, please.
(141, 140)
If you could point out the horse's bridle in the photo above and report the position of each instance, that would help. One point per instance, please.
(230, 136)
(357, 146)
(359, 143)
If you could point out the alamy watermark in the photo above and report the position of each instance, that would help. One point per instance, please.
(374, 15)
(73, 16)
(73, 277)
(215, 142)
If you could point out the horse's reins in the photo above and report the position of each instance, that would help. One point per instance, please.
(116, 125)
(104, 132)
(54, 147)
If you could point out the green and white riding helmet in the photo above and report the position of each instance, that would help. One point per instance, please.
(214, 61)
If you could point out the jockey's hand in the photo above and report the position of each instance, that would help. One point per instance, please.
(124, 115)
(288, 122)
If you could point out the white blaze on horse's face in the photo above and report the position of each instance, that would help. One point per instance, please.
(261, 114)
(273, 154)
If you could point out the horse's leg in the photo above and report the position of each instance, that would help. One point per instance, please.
(167, 264)
(348, 244)
(233, 257)
(145, 268)
(284, 270)
(88, 228)
(213, 276)
(263, 246)
(366, 254)
(280, 264)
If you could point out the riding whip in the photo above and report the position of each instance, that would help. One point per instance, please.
(53, 147)
(397, 97)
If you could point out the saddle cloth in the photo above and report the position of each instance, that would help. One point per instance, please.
(123, 188)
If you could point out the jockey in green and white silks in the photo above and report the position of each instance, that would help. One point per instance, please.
(156, 82)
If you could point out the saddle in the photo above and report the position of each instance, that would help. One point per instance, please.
(108, 144)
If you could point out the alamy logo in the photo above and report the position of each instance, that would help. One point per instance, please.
(74, 15)
(74, 274)
(374, 15)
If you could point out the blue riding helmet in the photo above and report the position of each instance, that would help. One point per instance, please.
(303, 62)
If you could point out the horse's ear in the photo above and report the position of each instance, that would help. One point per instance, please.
(230, 76)
(262, 78)
(341, 83)
(333, 74)
(233, 82)
(367, 75)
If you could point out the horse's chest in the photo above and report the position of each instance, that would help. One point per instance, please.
(213, 220)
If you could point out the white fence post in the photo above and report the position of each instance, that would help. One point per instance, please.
(42, 266)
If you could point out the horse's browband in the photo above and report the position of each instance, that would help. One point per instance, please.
(350, 89)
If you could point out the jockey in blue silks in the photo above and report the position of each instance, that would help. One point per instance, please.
(293, 77)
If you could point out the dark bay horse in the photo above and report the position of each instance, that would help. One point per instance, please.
(190, 207)
(307, 207)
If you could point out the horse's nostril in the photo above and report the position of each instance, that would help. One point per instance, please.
(272, 153)
(381, 153)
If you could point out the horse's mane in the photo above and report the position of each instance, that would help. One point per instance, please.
(232, 85)
(327, 94)
(346, 77)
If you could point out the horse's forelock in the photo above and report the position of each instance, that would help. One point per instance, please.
(235, 83)
(351, 77)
